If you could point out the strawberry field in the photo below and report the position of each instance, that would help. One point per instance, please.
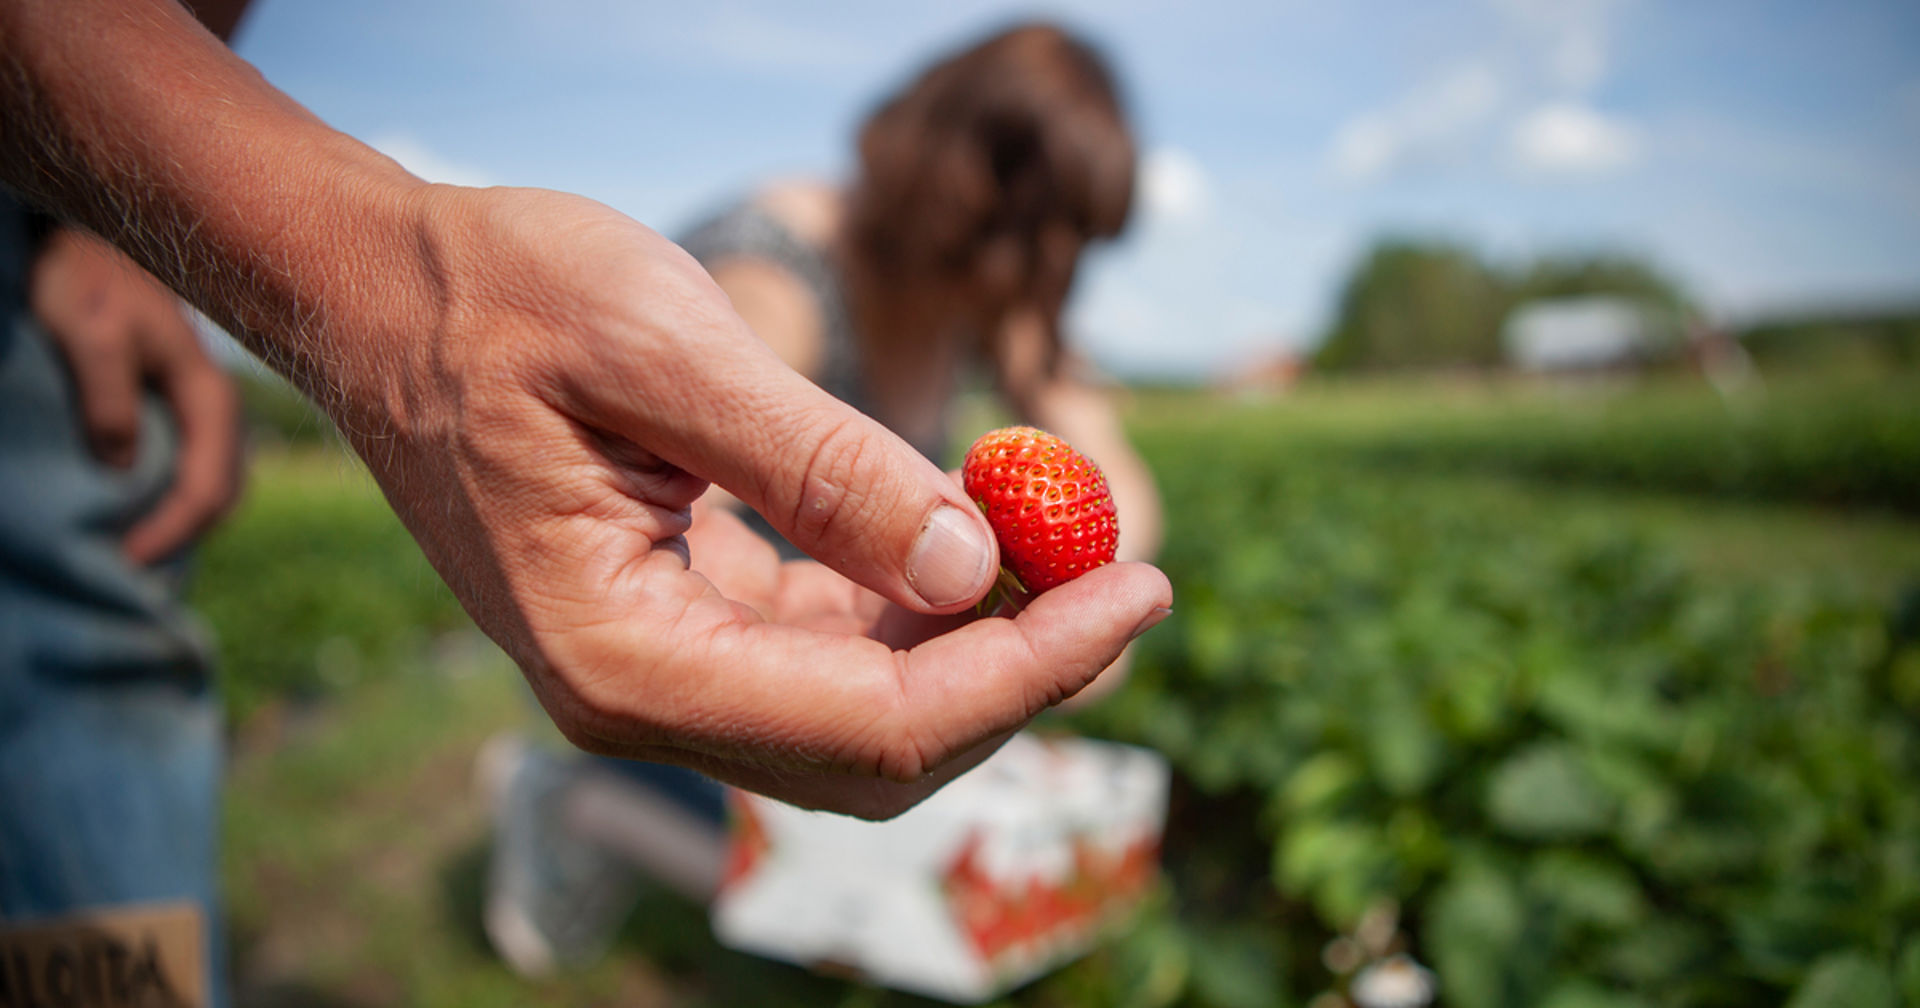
(1554, 750)
(1587, 698)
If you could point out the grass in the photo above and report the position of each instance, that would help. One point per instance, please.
(313, 584)
(356, 847)
(356, 858)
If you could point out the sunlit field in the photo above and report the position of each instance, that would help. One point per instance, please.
(1577, 694)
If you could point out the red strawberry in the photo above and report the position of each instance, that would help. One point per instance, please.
(1048, 504)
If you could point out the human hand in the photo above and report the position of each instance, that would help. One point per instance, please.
(122, 333)
(546, 443)
(808, 595)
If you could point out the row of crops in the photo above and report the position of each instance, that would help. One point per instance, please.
(1849, 441)
(1534, 749)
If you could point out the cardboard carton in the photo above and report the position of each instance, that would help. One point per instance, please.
(1010, 871)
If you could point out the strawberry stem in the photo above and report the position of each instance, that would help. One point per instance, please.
(1007, 594)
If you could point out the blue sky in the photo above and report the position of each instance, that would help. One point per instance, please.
(1766, 154)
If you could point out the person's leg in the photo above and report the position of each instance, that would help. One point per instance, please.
(110, 736)
(668, 821)
(553, 899)
(108, 800)
(574, 834)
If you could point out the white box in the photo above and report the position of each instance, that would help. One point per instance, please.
(1008, 872)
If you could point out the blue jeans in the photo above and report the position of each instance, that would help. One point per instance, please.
(698, 795)
(110, 728)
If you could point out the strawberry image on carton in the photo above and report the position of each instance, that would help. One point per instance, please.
(1013, 870)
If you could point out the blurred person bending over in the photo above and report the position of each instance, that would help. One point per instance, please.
(951, 254)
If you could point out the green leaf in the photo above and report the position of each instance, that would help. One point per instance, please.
(1585, 994)
(1402, 745)
(1797, 921)
(1475, 702)
(1586, 889)
(1846, 979)
(1150, 963)
(1340, 865)
(1478, 924)
(1545, 793)
(1235, 967)
(1608, 707)
(1908, 970)
(1320, 783)
(1641, 790)
(1661, 951)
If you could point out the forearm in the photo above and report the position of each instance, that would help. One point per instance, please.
(133, 120)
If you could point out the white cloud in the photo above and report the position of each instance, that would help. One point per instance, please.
(1558, 51)
(1428, 123)
(1570, 139)
(1174, 187)
(415, 156)
(1365, 149)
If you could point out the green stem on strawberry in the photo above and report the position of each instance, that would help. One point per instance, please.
(1007, 594)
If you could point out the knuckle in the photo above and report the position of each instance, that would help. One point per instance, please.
(908, 752)
(828, 494)
(905, 761)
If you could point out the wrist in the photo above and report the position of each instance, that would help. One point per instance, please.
(330, 279)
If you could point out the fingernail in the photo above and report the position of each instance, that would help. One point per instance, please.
(1153, 620)
(949, 561)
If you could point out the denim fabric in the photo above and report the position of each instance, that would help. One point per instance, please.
(110, 735)
(698, 795)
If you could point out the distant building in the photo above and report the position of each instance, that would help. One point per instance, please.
(1271, 374)
(1598, 333)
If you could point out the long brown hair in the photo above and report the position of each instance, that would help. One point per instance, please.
(992, 170)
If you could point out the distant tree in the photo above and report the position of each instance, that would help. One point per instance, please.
(1416, 304)
(1422, 303)
(1618, 275)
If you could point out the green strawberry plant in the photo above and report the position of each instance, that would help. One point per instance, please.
(1578, 773)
